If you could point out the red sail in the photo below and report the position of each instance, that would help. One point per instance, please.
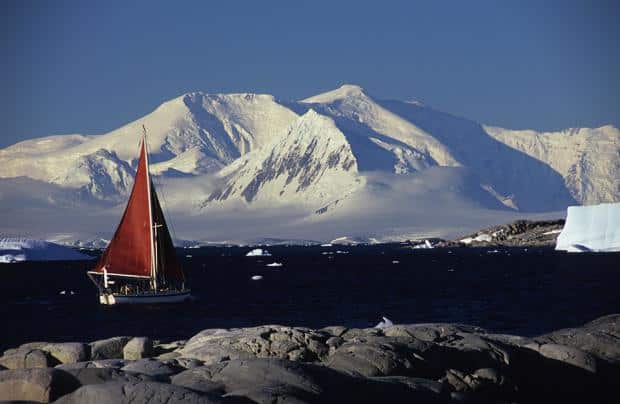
(129, 251)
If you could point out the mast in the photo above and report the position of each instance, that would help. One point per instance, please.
(151, 224)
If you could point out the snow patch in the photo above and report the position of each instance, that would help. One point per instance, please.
(480, 238)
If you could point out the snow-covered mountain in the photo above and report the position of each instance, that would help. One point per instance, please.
(311, 164)
(338, 157)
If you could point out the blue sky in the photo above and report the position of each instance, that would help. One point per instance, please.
(89, 67)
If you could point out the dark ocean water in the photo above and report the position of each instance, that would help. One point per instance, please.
(510, 291)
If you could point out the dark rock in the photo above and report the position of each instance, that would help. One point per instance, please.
(599, 337)
(111, 348)
(298, 343)
(271, 380)
(468, 352)
(361, 332)
(169, 355)
(103, 363)
(416, 384)
(567, 354)
(335, 330)
(136, 392)
(87, 376)
(199, 379)
(188, 363)
(41, 385)
(380, 356)
(432, 332)
(151, 367)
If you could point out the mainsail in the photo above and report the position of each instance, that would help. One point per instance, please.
(142, 246)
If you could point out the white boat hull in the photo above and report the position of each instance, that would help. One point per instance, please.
(145, 298)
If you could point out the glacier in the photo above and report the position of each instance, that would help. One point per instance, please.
(22, 249)
(591, 228)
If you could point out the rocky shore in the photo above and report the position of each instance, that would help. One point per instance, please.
(425, 363)
(520, 233)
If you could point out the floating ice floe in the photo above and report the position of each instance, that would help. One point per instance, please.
(327, 245)
(385, 323)
(395, 262)
(257, 277)
(258, 252)
(426, 244)
(274, 264)
(591, 228)
(22, 249)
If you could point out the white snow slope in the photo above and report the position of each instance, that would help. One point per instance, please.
(235, 167)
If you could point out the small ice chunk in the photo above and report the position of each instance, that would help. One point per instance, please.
(274, 264)
(258, 252)
(395, 262)
(257, 277)
(385, 323)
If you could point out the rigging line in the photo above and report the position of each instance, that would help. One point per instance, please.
(166, 212)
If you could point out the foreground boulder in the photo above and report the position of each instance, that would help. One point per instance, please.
(405, 363)
(295, 343)
(87, 376)
(27, 359)
(271, 380)
(599, 337)
(136, 392)
(39, 385)
(138, 348)
(111, 348)
(69, 352)
(158, 370)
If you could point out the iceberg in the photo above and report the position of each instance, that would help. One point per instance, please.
(591, 228)
(23, 249)
(258, 252)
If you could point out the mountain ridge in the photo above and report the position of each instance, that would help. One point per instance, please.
(327, 156)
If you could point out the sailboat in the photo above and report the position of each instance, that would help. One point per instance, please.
(140, 265)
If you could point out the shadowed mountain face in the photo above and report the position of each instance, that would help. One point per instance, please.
(340, 158)
(537, 186)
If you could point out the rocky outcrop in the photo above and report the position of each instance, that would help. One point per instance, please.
(430, 363)
(520, 233)
(39, 385)
(111, 348)
(69, 352)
